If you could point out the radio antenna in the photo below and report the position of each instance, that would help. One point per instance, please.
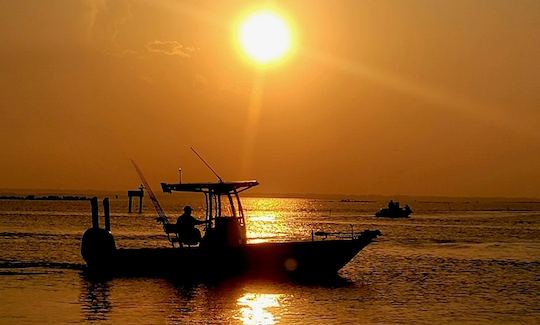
(207, 165)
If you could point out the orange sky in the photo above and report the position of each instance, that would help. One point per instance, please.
(379, 97)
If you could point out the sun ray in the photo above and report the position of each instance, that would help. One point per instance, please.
(438, 97)
(254, 109)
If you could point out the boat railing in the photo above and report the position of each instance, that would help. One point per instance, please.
(324, 235)
(345, 235)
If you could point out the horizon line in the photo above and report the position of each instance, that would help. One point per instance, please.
(293, 194)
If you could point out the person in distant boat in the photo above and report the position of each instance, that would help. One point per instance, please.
(407, 209)
(391, 205)
(185, 225)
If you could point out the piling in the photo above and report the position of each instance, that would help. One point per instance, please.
(107, 215)
(136, 193)
(95, 214)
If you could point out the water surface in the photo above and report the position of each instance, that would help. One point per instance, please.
(455, 261)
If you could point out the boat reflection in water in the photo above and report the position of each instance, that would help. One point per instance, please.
(156, 300)
(95, 300)
(256, 308)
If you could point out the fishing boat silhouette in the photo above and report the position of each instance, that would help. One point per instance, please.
(223, 250)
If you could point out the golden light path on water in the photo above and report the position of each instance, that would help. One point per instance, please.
(264, 219)
(256, 308)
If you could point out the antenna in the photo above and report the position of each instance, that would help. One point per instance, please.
(207, 165)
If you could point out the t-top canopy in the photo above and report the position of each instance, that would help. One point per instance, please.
(216, 188)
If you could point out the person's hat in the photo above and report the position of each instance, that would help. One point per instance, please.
(188, 208)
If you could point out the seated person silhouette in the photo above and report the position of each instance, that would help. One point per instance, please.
(185, 225)
(407, 209)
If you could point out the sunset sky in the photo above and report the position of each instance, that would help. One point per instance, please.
(417, 97)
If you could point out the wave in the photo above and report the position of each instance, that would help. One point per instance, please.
(10, 264)
(77, 236)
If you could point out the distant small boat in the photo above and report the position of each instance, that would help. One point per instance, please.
(354, 201)
(394, 211)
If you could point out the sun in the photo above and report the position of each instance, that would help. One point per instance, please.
(264, 37)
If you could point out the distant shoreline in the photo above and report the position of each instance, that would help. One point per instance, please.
(70, 194)
(45, 198)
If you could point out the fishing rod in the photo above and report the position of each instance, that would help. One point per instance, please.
(162, 218)
(207, 165)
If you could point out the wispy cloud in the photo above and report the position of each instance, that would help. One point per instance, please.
(94, 8)
(170, 48)
(105, 19)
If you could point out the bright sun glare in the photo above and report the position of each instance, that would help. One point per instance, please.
(264, 37)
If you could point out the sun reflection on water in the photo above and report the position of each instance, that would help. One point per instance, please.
(263, 218)
(254, 308)
(274, 219)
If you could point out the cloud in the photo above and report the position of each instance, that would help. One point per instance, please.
(94, 8)
(170, 48)
(104, 21)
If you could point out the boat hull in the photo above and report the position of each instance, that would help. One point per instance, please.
(303, 258)
(387, 213)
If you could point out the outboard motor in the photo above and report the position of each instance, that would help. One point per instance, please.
(97, 246)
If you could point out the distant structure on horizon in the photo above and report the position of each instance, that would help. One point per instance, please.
(136, 193)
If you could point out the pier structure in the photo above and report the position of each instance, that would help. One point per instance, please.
(136, 193)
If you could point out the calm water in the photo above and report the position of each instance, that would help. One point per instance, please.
(456, 261)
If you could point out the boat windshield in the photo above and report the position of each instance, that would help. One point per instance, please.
(222, 199)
